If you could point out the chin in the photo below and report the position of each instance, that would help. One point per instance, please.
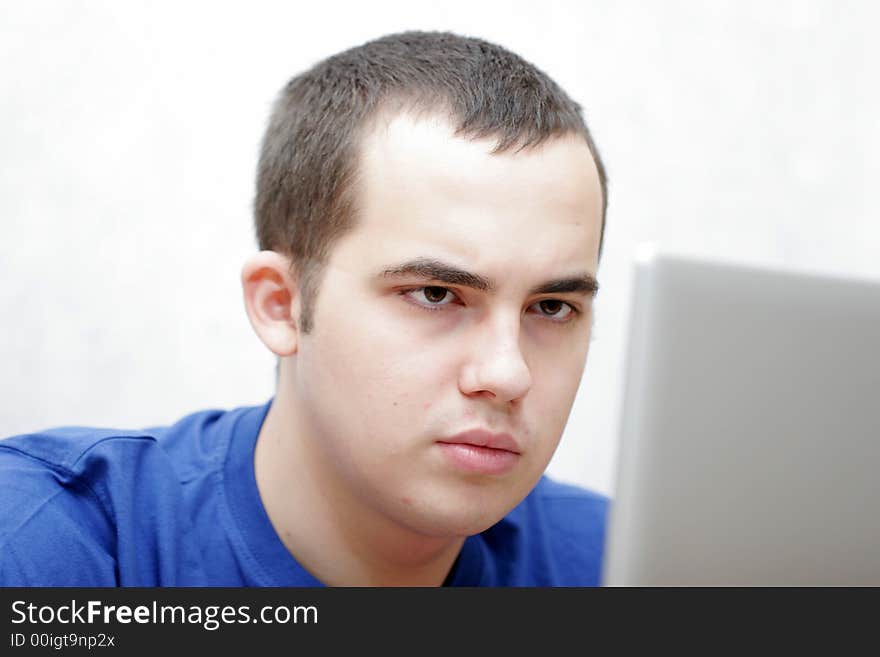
(456, 517)
(448, 526)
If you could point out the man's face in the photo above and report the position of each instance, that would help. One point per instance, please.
(437, 315)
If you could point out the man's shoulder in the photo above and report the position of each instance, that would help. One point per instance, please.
(553, 489)
(560, 529)
(98, 490)
(558, 499)
(66, 448)
(76, 470)
(55, 493)
(190, 441)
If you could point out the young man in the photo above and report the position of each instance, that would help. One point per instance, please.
(430, 211)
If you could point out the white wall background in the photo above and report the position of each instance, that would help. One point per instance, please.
(128, 140)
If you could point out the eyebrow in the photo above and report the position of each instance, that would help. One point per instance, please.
(437, 270)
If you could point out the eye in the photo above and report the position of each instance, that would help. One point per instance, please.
(558, 311)
(430, 297)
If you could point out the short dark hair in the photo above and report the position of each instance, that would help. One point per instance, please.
(305, 196)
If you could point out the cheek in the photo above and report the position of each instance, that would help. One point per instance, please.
(384, 378)
(556, 384)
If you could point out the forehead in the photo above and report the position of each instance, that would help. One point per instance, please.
(424, 192)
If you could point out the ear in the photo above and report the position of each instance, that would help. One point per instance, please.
(272, 300)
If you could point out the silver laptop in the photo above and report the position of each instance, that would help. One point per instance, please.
(749, 452)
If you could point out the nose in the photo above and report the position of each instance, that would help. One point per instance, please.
(496, 367)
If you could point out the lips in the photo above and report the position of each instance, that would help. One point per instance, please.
(483, 438)
(481, 452)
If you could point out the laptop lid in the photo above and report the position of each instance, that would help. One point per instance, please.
(749, 450)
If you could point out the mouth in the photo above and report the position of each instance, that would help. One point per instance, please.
(481, 452)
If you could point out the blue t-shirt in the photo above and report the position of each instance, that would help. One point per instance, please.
(179, 506)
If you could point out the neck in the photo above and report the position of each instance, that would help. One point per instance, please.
(326, 526)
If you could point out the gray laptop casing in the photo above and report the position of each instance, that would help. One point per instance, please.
(749, 452)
